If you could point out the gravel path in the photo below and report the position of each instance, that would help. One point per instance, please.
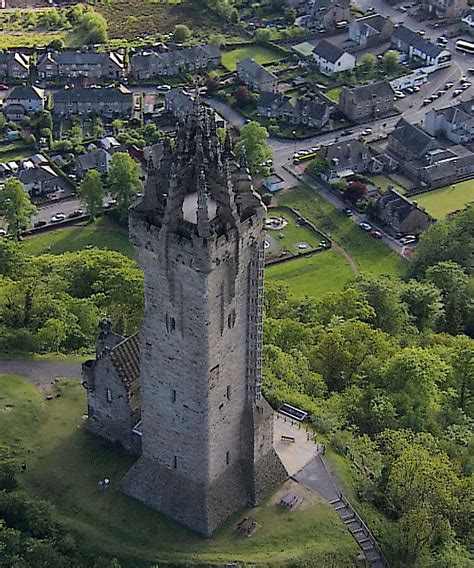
(41, 373)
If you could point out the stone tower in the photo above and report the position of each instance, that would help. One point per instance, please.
(207, 432)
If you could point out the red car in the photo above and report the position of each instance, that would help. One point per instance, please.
(376, 234)
(4, 87)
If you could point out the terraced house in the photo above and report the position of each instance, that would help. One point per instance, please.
(153, 63)
(108, 65)
(456, 123)
(14, 65)
(107, 101)
(296, 112)
(256, 76)
(367, 101)
(370, 30)
(416, 47)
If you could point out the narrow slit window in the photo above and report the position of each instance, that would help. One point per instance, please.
(109, 395)
(175, 462)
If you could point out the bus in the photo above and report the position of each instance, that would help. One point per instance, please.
(465, 46)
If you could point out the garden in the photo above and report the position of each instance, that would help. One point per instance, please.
(261, 54)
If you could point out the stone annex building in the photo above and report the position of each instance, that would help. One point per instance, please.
(184, 393)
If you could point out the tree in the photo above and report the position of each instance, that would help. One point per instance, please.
(368, 63)
(212, 83)
(91, 192)
(181, 32)
(355, 191)
(124, 181)
(452, 282)
(242, 95)
(391, 61)
(317, 165)
(424, 303)
(92, 28)
(253, 143)
(263, 35)
(16, 207)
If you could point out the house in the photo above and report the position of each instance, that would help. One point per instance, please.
(400, 214)
(415, 79)
(456, 123)
(40, 180)
(111, 144)
(14, 65)
(409, 142)
(5, 170)
(331, 59)
(447, 10)
(103, 101)
(178, 104)
(415, 47)
(71, 64)
(23, 100)
(370, 30)
(347, 158)
(96, 159)
(273, 183)
(299, 112)
(150, 64)
(256, 76)
(467, 22)
(367, 101)
(441, 167)
(326, 14)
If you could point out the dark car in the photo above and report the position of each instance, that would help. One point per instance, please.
(348, 212)
(76, 213)
(39, 224)
(376, 234)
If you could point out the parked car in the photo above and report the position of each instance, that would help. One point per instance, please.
(408, 241)
(399, 95)
(457, 92)
(441, 93)
(347, 132)
(449, 86)
(410, 238)
(463, 80)
(3, 87)
(365, 226)
(3, 233)
(471, 71)
(348, 212)
(40, 223)
(163, 88)
(367, 132)
(58, 218)
(76, 213)
(465, 86)
(376, 234)
(426, 102)
(110, 203)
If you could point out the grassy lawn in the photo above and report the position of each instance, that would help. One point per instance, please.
(440, 202)
(104, 234)
(64, 464)
(334, 93)
(371, 255)
(293, 234)
(16, 150)
(259, 53)
(313, 276)
(28, 39)
(383, 182)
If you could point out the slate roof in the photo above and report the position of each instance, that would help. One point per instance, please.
(411, 136)
(7, 56)
(125, 358)
(328, 51)
(93, 95)
(374, 23)
(408, 36)
(179, 99)
(381, 89)
(347, 153)
(257, 71)
(25, 93)
(90, 160)
(326, 4)
(39, 174)
(396, 206)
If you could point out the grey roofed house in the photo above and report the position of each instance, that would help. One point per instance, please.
(371, 30)
(87, 63)
(177, 103)
(456, 123)
(409, 142)
(367, 101)
(255, 75)
(14, 64)
(400, 214)
(347, 158)
(109, 101)
(328, 51)
(40, 179)
(25, 93)
(96, 159)
(403, 38)
(309, 113)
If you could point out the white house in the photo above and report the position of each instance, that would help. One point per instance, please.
(331, 59)
(416, 47)
(415, 79)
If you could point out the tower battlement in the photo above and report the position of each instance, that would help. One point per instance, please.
(207, 433)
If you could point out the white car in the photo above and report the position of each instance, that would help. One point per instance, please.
(406, 241)
(3, 233)
(163, 89)
(367, 132)
(58, 218)
(399, 95)
(365, 226)
(315, 149)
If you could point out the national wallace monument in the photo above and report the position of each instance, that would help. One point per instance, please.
(185, 391)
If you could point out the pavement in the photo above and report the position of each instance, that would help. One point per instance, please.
(297, 453)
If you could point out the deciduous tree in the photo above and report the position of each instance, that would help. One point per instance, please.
(16, 207)
(124, 181)
(91, 192)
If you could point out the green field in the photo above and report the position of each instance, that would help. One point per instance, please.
(440, 202)
(260, 53)
(334, 93)
(64, 464)
(314, 276)
(16, 150)
(104, 233)
(383, 182)
(9, 40)
(293, 234)
(371, 256)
